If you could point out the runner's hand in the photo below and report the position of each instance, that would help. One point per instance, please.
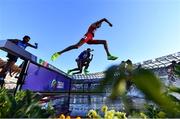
(110, 25)
(36, 44)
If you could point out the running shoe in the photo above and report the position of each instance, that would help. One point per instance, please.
(86, 71)
(55, 56)
(110, 57)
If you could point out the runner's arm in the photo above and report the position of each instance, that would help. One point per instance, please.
(33, 46)
(91, 57)
(104, 20)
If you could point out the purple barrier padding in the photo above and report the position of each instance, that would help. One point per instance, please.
(42, 79)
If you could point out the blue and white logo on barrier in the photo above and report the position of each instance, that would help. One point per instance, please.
(60, 85)
(54, 84)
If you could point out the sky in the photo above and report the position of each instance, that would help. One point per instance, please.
(142, 29)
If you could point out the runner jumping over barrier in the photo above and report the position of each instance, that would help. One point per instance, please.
(88, 38)
(12, 58)
(83, 60)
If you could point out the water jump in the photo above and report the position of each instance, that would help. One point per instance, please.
(88, 38)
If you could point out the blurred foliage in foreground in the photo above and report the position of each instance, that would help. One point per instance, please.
(24, 104)
(122, 76)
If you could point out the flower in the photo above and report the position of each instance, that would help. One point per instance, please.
(143, 115)
(62, 116)
(78, 117)
(104, 108)
(109, 114)
(93, 114)
(68, 117)
(121, 115)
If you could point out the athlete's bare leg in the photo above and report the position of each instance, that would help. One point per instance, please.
(75, 46)
(104, 43)
(79, 69)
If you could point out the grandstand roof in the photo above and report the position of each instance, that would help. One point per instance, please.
(163, 61)
(92, 76)
(160, 62)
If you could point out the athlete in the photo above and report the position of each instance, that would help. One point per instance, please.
(12, 58)
(83, 60)
(88, 38)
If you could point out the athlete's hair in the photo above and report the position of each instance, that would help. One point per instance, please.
(25, 37)
(88, 49)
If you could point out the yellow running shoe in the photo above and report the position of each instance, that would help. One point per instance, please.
(55, 56)
(110, 57)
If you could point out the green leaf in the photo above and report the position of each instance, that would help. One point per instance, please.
(109, 77)
(151, 86)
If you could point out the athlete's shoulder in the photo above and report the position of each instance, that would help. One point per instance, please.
(93, 24)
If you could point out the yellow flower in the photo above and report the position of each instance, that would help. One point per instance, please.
(115, 117)
(143, 115)
(78, 117)
(62, 116)
(68, 117)
(109, 114)
(92, 113)
(104, 108)
(121, 115)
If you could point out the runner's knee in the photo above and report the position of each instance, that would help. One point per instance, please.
(76, 46)
(80, 70)
(104, 42)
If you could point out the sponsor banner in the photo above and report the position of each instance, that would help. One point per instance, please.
(43, 79)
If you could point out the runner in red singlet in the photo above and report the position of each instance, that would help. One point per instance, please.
(88, 38)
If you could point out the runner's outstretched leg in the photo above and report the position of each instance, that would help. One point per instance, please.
(71, 70)
(76, 46)
(103, 42)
